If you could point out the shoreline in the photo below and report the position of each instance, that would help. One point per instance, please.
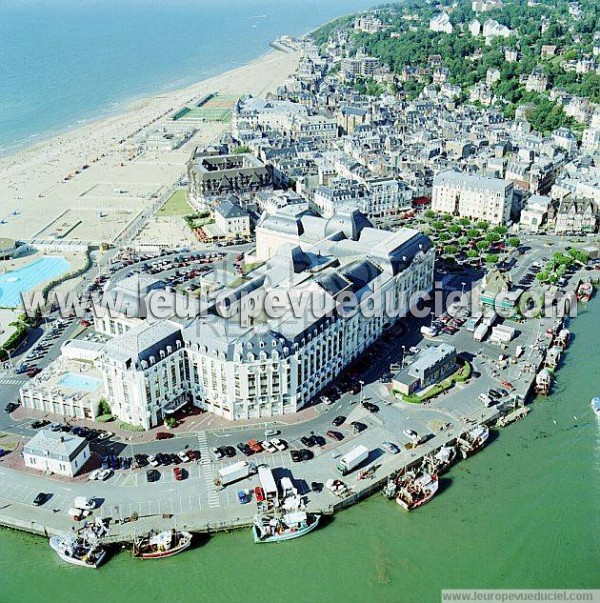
(122, 107)
(99, 174)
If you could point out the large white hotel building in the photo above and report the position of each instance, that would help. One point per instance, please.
(271, 366)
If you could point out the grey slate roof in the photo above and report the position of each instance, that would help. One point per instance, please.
(55, 445)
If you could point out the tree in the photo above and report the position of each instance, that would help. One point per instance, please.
(473, 233)
(447, 218)
(542, 277)
(104, 407)
(491, 258)
(454, 228)
(472, 253)
(429, 214)
(482, 245)
(443, 236)
(463, 241)
(464, 222)
(483, 225)
(492, 237)
(514, 242)
(451, 250)
(500, 229)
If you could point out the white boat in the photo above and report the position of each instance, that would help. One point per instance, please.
(286, 527)
(472, 441)
(596, 405)
(78, 551)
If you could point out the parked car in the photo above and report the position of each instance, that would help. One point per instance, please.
(228, 450)
(279, 444)
(259, 494)
(11, 407)
(40, 423)
(178, 473)
(390, 447)
(409, 433)
(319, 440)
(335, 435)
(370, 406)
(245, 449)
(217, 453)
(153, 461)
(266, 445)
(306, 454)
(41, 498)
(316, 486)
(338, 421)
(244, 497)
(183, 456)
(152, 475)
(307, 441)
(255, 446)
(164, 435)
(358, 427)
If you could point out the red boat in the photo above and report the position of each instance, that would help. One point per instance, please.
(157, 545)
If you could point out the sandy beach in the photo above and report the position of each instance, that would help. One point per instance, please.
(88, 183)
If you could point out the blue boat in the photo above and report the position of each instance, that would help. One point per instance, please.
(292, 525)
(596, 405)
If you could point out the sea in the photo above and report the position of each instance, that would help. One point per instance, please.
(523, 513)
(66, 62)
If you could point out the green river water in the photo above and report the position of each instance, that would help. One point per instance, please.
(523, 513)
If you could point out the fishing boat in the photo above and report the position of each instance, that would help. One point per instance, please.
(415, 489)
(278, 528)
(78, 551)
(543, 382)
(442, 460)
(585, 291)
(157, 545)
(596, 405)
(473, 441)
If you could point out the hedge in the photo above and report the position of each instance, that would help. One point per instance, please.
(61, 279)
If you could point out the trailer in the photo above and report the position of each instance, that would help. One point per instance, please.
(236, 472)
(267, 482)
(481, 332)
(353, 459)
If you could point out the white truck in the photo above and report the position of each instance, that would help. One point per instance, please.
(235, 472)
(353, 459)
(481, 332)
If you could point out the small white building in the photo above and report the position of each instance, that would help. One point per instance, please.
(57, 452)
(231, 219)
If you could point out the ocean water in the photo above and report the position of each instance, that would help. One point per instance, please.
(63, 62)
(522, 513)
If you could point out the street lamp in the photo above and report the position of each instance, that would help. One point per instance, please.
(361, 391)
(403, 354)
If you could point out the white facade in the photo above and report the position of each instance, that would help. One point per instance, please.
(473, 197)
(56, 452)
(145, 374)
(441, 23)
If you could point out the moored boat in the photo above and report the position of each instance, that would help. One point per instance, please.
(275, 528)
(442, 460)
(414, 490)
(472, 441)
(595, 403)
(78, 551)
(157, 545)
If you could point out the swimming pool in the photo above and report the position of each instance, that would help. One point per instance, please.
(15, 282)
(80, 382)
